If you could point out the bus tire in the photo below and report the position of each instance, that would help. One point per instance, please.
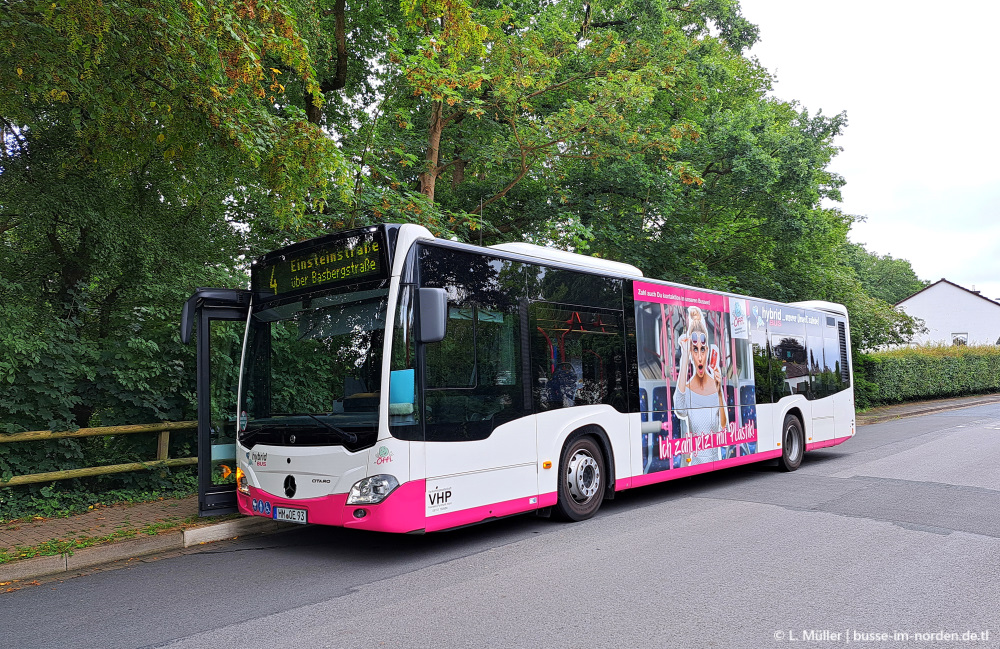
(582, 479)
(793, 444)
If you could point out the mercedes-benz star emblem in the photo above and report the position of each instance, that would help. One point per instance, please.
(290, 486)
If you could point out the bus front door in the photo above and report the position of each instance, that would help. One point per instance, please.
(218, 319)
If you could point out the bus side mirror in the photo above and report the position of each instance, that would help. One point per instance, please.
(433, 321)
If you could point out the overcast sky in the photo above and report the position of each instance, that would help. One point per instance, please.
(921, 153)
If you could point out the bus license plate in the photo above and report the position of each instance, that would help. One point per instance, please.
(290, 515)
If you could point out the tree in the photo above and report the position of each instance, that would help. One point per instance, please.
(147, 148)
(97, 264)
(740, 206)
(193, 83)
(504, 98)
(882, 276)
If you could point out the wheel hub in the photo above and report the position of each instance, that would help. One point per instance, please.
(583, 476)
(792, 442)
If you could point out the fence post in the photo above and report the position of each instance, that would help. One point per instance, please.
(163, 445)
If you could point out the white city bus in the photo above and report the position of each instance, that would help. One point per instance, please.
(389, 380)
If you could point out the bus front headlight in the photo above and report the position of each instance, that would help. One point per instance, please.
(372, 490)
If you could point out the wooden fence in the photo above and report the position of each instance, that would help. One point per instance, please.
(162, 460)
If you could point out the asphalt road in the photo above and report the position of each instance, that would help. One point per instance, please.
(895, 532)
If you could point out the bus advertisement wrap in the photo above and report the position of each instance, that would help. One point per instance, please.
(696, 387)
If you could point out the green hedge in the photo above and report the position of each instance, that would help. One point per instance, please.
(928, 372)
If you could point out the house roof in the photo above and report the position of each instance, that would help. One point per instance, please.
(976, 293)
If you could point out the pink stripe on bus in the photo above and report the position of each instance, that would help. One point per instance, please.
(403, 511)
(496, 510)
(673, 474)
(829, 442)
(748, 459)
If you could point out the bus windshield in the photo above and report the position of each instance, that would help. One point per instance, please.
(312, 370)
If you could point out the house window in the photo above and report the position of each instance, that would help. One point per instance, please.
(960, 339)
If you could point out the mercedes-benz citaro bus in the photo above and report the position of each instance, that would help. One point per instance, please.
(384, 379)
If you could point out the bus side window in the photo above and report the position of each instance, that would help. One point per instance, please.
(765, 378)
(818, 385)
(571, 287)
(404, 411)
(577, 357)
(829, 377)
(766, 373)
(790, 356)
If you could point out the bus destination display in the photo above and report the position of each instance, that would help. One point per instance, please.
(352, 259)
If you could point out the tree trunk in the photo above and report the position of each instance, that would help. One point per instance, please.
(429, 176)
(314, 113)
(340, 34)
(72, 267)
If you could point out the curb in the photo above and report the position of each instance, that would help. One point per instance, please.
(135, 548)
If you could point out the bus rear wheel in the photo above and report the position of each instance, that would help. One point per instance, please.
(582, 478)
(793, 444)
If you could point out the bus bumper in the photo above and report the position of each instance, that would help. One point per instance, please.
(402, 511)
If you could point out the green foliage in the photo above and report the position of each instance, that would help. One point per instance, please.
(874, 323)
(188, 83)
(928, 372)
(94, 267)
(883, 277)
(509, 100)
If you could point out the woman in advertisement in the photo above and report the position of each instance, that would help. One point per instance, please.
(700, 399)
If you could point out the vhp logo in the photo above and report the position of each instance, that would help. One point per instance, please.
(439, 497)
(261, 507)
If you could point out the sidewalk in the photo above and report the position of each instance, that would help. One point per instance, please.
(917, 408)
(48, 546)
(124, 532)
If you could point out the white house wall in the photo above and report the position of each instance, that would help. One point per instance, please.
(947, 309)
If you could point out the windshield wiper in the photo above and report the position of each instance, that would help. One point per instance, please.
(346, 436)
(247, 434)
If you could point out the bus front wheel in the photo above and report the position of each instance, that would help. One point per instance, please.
(582, 477)
(792, 444)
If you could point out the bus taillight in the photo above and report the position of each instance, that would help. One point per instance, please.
(242, 485)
